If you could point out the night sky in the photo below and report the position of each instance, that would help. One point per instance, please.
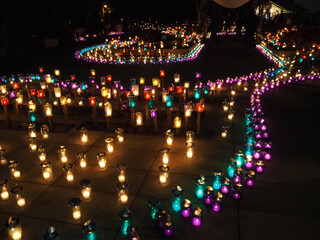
(312, 5)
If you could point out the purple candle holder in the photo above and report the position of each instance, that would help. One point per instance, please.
(237, 191)
(259, 167)
(238, 175)
(249, 164)
(197, 217)
(207, 196)
(250, 178)
(217, 204)
(186, 208)
(225, 188)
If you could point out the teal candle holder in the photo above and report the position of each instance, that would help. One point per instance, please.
(169, 101)
(217, 177)
(154, 206)
(197, 93)
(51, 234)
(125, 221)
(132, 101)
(200, 186)
(177, 198)
(32, 116)
(239, 158)
(231, 168)
(90, 230)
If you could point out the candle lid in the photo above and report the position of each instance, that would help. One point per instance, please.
(73, 202)
(3, 181)
(178, 191)
(164, 168)
(165, 150)
(12, 163)
(197, 211)
(217, 172)
(260, 163)
(133, 230)
(122, 166)
(17, 189)
(125, 214)
(51, 233)
(68, 166)
(122, 185)
(251, 174)
(186, 203)
(85, 182)
(226, 181)
(12, 222)
(201, 180)
(154, 202)
(89, 227)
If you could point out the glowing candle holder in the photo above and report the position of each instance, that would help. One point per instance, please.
(57, 92)
(86, 188)
(186, 207)
(164, 175)
(32, 116)
(154, 206)
(165, 156)
(125, 221)
(237, 191)
(249, 149)
(63, 154)
(207, 195)
(122, 189)
(122, 167)
(133, 232)
(190, 137)
(120, 136)
(224, 132)
(142, 81)
(169, 101)
(84, 135)
(42, 153)
(90, 230)
(135, 90)
(102, 160)
(139, 119)
(32, 130)
(110, 145)
(189, 149)
(69, 172)
(238, 175)
(82, 159)
(4, 193)
(188, 110)
(177, 122)
(197, 217)
(176, 77)
(259, 168)
(196, 93)
(14, 169)
(32, 106)
(231, 168)
(108, 109)
(74, 203)
(225, 188)
(17, 193)
(169, 137)
(132, 101)
(218, 203)
(239, 158)
(14, 229)
(217, 178)
(51, 234)
(46, 169)
(200, 186)
(32, 144)
(250, 178)
(231, 115)
(177, 198)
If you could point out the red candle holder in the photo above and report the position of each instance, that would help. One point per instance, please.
(33, 92)
(162, 73)
(147, 95)
(179, 89)
(41, 93)
(15, 85)
(5, 101)
(199, 107)
(109, 78)
(92, 101)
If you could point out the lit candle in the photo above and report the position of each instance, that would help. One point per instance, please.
(165, 155)
(238, 175)
(200, 185)
(177, 198)
(231, 168)
(186, 208)
(188, 110)
(125, 221)
(84, 135)
(169, 137)
(63, 154)
(68, 171)
(250, 178)
(154, 206)
(139, 119)
(57, 92)
(259, 167)
(177, 122)
(86, 188)
(82, 159)
(197, 217)
(76, 211)
(51, 234)
(32, 130)
(90, 230)
(189, 136)
(122, 172)
(164, 175)
(4, 189)
(108, 109)
(102, 160)
(42, 153)
(14, 228)
(13, 166)
(120, 135)
(237, 191)
(217, 175)
(190, 147)
(17, 193)
(48, 109)
(46, 170)
(224, 132)
(217, 204)
(230, 115)
(133, 233)
(122, 189)
(225, 188)
(109, 145)
(176, 77)
(31, 143)
(207, 196)
(249, 163)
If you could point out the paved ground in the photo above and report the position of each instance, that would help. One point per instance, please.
(282, 205)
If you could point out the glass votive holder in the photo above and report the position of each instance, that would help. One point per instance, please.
(84, 135)
(160, 217)
(168, 230)
(62, 150)
(14, 229)
(139, 119)
(17, 193)
(200, 186)
(74, 203)
(4, 193)
(32, 130)
(176, 198)
(189, 136)
(46, 169)
(217, 203)
(259, 168)
(177, 122)
(3, 160)
(90, 230)
(164, 175)
(169, 137)
(69, 172)
(82, 159)
(14, 169)
(122, 167)
(231, 168)
(120, 136)
(189, 150)
(102, 160)
(133, 233)
(197, 217)
(122, 189)
(239, 158)
(42, 153)
(51, 234)
(154, 206)
(249, 163)
(86, 188)
(186, 207)
(44, 130)
(32, 144)
(165, 152)
(217, 178)
(208, 195)
(109, 145)
(225, 187)
(250, 178)
(237, 191)
(238, 175)
(224, 132)
(125, 220)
